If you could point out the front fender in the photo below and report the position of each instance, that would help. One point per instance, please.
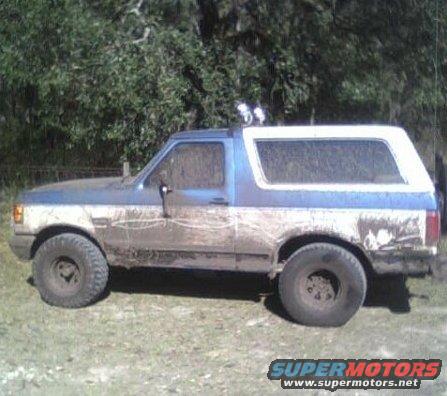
(36, 218)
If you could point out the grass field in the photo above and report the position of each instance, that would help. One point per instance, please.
(158, 332)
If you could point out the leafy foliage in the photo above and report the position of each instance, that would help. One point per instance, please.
(94, 82)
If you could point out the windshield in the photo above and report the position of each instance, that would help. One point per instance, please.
(139, 175)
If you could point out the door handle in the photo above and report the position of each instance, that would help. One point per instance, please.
(219, 201)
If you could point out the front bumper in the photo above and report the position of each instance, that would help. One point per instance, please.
(21, 245)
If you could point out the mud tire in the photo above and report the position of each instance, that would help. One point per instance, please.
(70, 271)
(313, 274)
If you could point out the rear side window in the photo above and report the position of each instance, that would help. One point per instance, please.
(191, 166)
(327, 161)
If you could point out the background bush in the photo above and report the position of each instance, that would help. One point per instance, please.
(94, 82)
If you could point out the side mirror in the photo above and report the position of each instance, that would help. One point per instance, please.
(164, 190)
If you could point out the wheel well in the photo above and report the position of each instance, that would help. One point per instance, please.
(52, 231)
(293, 244)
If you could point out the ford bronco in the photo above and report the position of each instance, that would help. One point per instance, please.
(322, 207)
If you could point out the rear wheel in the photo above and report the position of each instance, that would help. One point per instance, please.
(70, 271)
(322, 285)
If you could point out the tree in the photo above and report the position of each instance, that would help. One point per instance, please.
(93, 82)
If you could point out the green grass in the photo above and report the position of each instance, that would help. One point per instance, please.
(161, 332)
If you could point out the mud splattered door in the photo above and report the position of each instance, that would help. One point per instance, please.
(196, 227)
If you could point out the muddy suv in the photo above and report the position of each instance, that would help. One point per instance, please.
(321, 207)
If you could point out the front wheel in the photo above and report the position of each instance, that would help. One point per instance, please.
(70, 271)
(322, 285)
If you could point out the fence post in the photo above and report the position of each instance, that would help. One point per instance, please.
(126, 168)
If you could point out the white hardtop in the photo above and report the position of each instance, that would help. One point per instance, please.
(383, 132)
(407, 159)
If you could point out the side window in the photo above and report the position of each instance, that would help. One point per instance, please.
(327, 161)
(191, 166)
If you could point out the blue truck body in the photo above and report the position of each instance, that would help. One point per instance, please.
(112, 206)
(321, 207)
